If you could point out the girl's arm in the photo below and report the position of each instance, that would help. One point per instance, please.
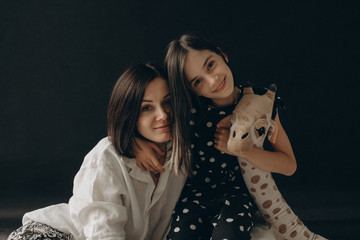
(281, 160)
(145, 156)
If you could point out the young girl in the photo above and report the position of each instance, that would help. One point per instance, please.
(215, 202)
(112, 197)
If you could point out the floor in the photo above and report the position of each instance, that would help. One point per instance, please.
(334, 230)
(335, 217)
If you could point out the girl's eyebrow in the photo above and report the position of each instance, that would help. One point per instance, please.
(167, 95)
(204, 65)
(206, 61)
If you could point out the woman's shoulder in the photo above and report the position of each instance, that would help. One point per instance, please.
(103, 154)
(103, 146)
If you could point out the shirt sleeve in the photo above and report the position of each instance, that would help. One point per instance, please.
(96, 206)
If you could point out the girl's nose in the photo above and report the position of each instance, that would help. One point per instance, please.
(212, 81)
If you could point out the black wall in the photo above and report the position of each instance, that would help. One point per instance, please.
(59, 60)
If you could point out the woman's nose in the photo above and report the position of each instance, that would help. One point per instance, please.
(162, 114)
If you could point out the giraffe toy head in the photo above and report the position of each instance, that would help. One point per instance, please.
(251, 121)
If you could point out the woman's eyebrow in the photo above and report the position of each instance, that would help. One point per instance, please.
(167, 95)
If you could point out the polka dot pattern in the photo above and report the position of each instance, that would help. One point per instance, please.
(216, 176)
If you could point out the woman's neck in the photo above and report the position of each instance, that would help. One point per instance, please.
(163, 148)
(156, 175)
(231, 99)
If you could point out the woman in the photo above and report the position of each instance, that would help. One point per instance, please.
(112, 198)
(215, 202)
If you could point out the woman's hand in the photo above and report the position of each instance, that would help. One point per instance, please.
(145, 156)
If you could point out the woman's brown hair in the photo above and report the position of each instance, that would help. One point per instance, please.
(124, 110)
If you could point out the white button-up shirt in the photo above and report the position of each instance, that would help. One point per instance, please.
(114, 199)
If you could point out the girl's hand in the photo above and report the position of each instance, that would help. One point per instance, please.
(280, 160)
(221, 139)
(145, 157)
(222, 135)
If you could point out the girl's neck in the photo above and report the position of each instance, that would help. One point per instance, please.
(231, 99)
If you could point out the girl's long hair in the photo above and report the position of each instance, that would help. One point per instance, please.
(180, 89)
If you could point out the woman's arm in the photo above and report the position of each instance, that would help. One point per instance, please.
(96, 207)
(281, 160)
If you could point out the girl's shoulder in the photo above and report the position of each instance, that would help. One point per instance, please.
(278, 102)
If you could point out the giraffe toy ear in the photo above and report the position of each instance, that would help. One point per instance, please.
(272, 133)
(248, 90)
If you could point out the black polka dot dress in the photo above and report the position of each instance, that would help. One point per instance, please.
(215, 203)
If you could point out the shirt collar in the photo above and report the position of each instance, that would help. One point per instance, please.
(137, 173)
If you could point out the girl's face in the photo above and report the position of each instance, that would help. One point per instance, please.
(154, 121)
(209, 76)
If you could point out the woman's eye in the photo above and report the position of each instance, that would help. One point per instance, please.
(146, 108)
(167, 102)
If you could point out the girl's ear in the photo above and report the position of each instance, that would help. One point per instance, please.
(272, 133)
(223, 55)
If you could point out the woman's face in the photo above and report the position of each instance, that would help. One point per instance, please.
(154, 121)
(209, 76)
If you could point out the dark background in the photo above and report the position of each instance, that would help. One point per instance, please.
(60, 59)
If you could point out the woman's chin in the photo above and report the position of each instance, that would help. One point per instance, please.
(162, 139)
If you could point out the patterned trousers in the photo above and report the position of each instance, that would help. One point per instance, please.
(229, 217)
(38, 231)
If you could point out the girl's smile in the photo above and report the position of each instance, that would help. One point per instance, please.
(221, 86)
(209, 76)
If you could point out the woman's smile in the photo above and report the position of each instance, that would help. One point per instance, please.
(164, 128)
(154, 122)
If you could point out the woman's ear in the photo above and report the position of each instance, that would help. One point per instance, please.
(223, 55)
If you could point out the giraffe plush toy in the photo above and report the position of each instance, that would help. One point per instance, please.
(251, 123)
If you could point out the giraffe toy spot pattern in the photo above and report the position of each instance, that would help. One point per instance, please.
(261, 185)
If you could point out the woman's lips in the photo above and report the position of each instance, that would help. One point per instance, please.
(221, 86)
(165, 127)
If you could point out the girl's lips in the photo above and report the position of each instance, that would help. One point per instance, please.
(221, 86)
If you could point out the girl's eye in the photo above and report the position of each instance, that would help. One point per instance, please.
(211, 64)
(197, 82)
